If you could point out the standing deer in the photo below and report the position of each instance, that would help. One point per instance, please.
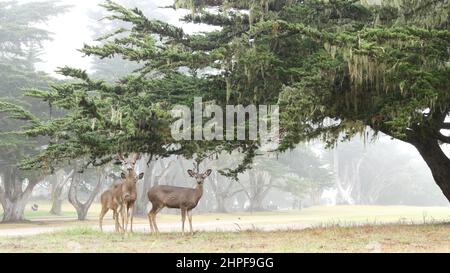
(109, 202)
(181, 198)
(120, 198)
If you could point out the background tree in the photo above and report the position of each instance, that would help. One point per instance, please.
(89, 182)
(381, 173)
(114, 68)
(157, 172)
(364, 76)
(132, 114)
(336, 68)
(343, 67)
(20, 47)
(309, 174)
(58, 182)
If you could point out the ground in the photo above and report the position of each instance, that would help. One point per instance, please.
(315, 229)
(384, 238)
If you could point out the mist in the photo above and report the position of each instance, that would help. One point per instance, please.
(375, 171)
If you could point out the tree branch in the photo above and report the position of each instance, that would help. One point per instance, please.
(95, 190)
(445, 126)
(234, 193)
(441, 137)
(244, 190)
(30, 186)
(68, 177)
(2, 197)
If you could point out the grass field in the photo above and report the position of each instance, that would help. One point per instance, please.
(385, 238)
(325, 229)
(312, 215)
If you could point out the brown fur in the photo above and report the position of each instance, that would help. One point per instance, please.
(108, 203)
(185, 199)
(121, 197)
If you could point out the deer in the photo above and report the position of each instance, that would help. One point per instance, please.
(185, 199)
(121, 197)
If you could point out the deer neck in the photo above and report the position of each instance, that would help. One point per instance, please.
(198, 191)
(129, 189)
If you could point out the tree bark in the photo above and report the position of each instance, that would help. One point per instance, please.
(347, 175)
(82, 208)
(57, 192)
(258, 190)
(221, 193)
(437, 161)
(143, 187)
(13, 199)
(221, 201)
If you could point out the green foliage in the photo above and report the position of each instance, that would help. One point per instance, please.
(335, 67)
(20, 47)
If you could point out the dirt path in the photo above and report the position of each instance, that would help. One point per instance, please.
(163, 227)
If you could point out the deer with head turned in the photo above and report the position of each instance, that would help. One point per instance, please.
(185, 199)
(121, 197)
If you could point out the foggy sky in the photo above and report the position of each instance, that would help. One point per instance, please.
(70, 31)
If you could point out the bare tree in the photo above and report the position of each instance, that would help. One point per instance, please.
(222, 189)
(259, 185)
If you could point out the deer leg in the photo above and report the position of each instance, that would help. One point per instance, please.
(116, 220)
(183, 218)
(122, 214)
(158, 209)
(131, 220)
(189, 213)
(127, 219)
(150, 221)
(118, 216)
(102, 214)
(151, 213)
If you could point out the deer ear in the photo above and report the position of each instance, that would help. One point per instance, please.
(123, 175)
(191, 173)
(141, 175)
(207, 173)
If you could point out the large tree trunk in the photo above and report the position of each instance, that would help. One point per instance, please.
(348, 179)
(258, 189)
(256, 203)
(143, 187)
(14, 210)
(57, 191)
(219, 194)
(13, 198)
(241, 200)
(221, 201)
(83, 208)
(437, 161)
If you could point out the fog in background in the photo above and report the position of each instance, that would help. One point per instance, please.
(384, 172)
(72, 29)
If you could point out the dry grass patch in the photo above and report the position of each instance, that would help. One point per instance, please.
(383, 238)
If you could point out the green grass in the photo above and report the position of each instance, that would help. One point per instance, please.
(323, 215)
(333, 229)
(385, 238)
(68, 211)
